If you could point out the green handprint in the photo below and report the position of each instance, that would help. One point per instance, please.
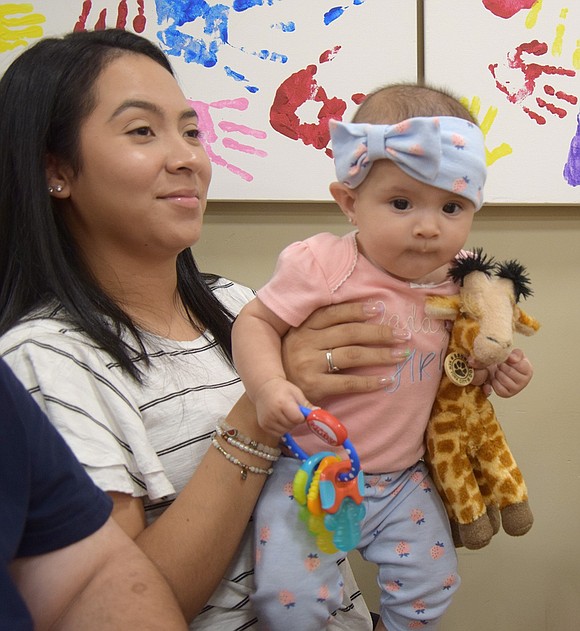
(16, 31)
(474, 107)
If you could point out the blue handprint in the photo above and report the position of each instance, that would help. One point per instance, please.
(215, 19)
(180, 12)
(333, 14)
(175, 16)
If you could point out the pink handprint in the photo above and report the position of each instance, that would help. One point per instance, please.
(139, 21)
(531, 73)
(209, 135)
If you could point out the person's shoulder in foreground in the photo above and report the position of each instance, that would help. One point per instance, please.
(64, 562)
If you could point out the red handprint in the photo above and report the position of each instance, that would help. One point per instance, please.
(139, 21)
(531, 73)
(298, 89)
(507, 8)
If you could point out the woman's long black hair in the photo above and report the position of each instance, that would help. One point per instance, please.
(45, 95)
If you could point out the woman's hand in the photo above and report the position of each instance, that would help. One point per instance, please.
(343, 329)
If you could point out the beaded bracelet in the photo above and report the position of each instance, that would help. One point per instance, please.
(231, 433)
(245, 467)
(248, 447)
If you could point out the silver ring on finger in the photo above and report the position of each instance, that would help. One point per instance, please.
(331, 365)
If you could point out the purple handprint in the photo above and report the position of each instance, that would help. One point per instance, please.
(572, 167)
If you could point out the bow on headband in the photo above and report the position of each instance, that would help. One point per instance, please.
(444, 151)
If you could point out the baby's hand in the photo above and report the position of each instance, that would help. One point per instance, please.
(512, 376)
(278, 406)
(508, 378)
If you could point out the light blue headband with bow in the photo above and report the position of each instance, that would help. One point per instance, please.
(443, 151)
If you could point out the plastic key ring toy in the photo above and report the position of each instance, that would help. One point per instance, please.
(328, 488)
(332, 432)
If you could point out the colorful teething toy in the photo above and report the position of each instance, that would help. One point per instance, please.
(328, 488)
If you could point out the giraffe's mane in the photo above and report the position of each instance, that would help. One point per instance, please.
(475, 261)
(479, 261)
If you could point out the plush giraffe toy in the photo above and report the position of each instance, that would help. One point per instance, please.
(467, 452)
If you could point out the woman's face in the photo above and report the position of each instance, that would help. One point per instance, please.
(141, 191)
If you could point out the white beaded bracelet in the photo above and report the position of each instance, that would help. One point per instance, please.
(245, 467)
(227, 431)
(249, 450)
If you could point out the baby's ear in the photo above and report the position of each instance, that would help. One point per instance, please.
(345, 198)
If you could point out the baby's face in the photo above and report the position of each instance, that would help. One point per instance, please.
(409, 229)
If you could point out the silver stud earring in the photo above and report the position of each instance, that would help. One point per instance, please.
(53, 189)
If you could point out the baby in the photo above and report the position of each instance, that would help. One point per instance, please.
(411, 171)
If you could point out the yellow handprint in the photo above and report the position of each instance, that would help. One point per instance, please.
(15, 31)
(474, 108)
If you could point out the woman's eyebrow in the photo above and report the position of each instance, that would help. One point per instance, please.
(188, 113)
(150, 107)
(135, 103)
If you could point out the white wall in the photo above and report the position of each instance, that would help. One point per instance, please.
(526, 584)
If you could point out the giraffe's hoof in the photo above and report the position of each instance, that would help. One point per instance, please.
(477, 534)
(517, 519)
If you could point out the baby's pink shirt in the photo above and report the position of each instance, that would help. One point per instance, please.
(386, 427)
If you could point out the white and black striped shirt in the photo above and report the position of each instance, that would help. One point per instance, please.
(144, 439)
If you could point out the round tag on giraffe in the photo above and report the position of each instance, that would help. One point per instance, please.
(458, 370)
